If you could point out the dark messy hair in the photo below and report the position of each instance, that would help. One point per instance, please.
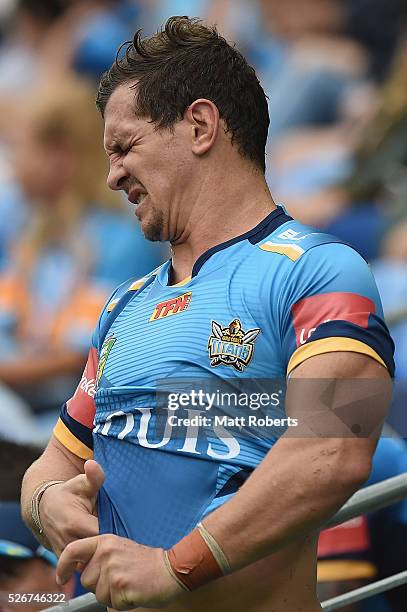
(184, 61)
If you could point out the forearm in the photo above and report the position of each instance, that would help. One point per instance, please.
(56, 463)
(38, 368)
(311, 470)
(297, 487)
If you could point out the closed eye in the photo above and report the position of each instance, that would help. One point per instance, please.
(118, 150)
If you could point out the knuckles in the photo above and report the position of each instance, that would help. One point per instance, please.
(119, 582)
(108, 544)
(70, 548)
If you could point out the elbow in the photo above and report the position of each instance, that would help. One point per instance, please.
(356, 476)
(26, 497)
(354, 467)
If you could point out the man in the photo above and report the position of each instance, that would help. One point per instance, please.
(249, 295)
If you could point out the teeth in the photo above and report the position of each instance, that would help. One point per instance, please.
(141, 198)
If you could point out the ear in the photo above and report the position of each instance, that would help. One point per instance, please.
(203, 117)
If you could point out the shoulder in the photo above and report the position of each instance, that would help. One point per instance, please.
(299, 253)
(117, 301)
(130, 286)
(293, 240)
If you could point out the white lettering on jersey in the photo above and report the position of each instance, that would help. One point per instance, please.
(191, 434)
(306, 334)
(88, 386)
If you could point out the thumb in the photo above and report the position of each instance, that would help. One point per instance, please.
(94, 477)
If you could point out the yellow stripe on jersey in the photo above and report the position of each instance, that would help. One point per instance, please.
(344, 569)
(140, 282)
(62, 433)
(293, 251)
(331, 345)
(111, 305)
(137, 284)
(183, 282)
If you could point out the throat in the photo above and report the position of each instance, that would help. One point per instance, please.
(179, 276)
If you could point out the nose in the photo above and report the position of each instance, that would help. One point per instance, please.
(117, 175)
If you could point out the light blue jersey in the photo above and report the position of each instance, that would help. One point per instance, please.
(254, 308)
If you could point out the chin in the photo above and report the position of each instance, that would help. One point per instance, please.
(153, 226)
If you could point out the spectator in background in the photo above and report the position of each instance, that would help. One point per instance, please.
(87, 36)
(380, 160)
(378, 26)
(21, 50)
(60, 268)
(25, 565)
(345, 174)
(17, 421)
(14, 461)
(307, 52)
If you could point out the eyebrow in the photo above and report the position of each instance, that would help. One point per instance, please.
(119, 141)
(115, 143)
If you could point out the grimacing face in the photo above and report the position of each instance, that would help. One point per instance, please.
(153, 167)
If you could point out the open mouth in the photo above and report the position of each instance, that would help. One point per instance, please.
(137, 196)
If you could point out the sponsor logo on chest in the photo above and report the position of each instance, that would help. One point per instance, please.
(171, 307)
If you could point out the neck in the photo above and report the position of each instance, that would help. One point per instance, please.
(219, 214)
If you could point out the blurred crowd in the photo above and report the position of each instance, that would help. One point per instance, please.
(335, 73)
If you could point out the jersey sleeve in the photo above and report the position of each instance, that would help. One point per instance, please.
(329, 302)
(75, 423)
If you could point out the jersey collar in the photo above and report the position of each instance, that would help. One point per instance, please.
(255, 235)
(263, 229)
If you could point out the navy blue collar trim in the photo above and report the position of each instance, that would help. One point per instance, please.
(255, 235)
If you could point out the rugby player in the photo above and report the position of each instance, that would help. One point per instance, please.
(197, 519)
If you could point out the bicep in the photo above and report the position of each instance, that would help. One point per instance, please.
(340, 395)
(340, 365)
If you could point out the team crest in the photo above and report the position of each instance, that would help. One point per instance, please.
(231, 345)
(104, 354)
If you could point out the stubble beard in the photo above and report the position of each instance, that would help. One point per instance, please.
(154, 228)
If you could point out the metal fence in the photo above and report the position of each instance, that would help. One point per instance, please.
(366, 500)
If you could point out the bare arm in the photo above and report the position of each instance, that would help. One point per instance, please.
(67, 510)
(303, 480)
(38, 368)
(56, 463)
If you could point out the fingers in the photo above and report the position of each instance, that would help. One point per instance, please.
(83, 526)
(95, 475)
(102, 590)
(89, 483)
(79, 552)
(70, 527)
(90, 575)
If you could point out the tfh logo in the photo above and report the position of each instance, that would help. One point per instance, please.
(172, 307)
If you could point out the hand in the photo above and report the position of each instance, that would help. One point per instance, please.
(68, 510)
(121, 573)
